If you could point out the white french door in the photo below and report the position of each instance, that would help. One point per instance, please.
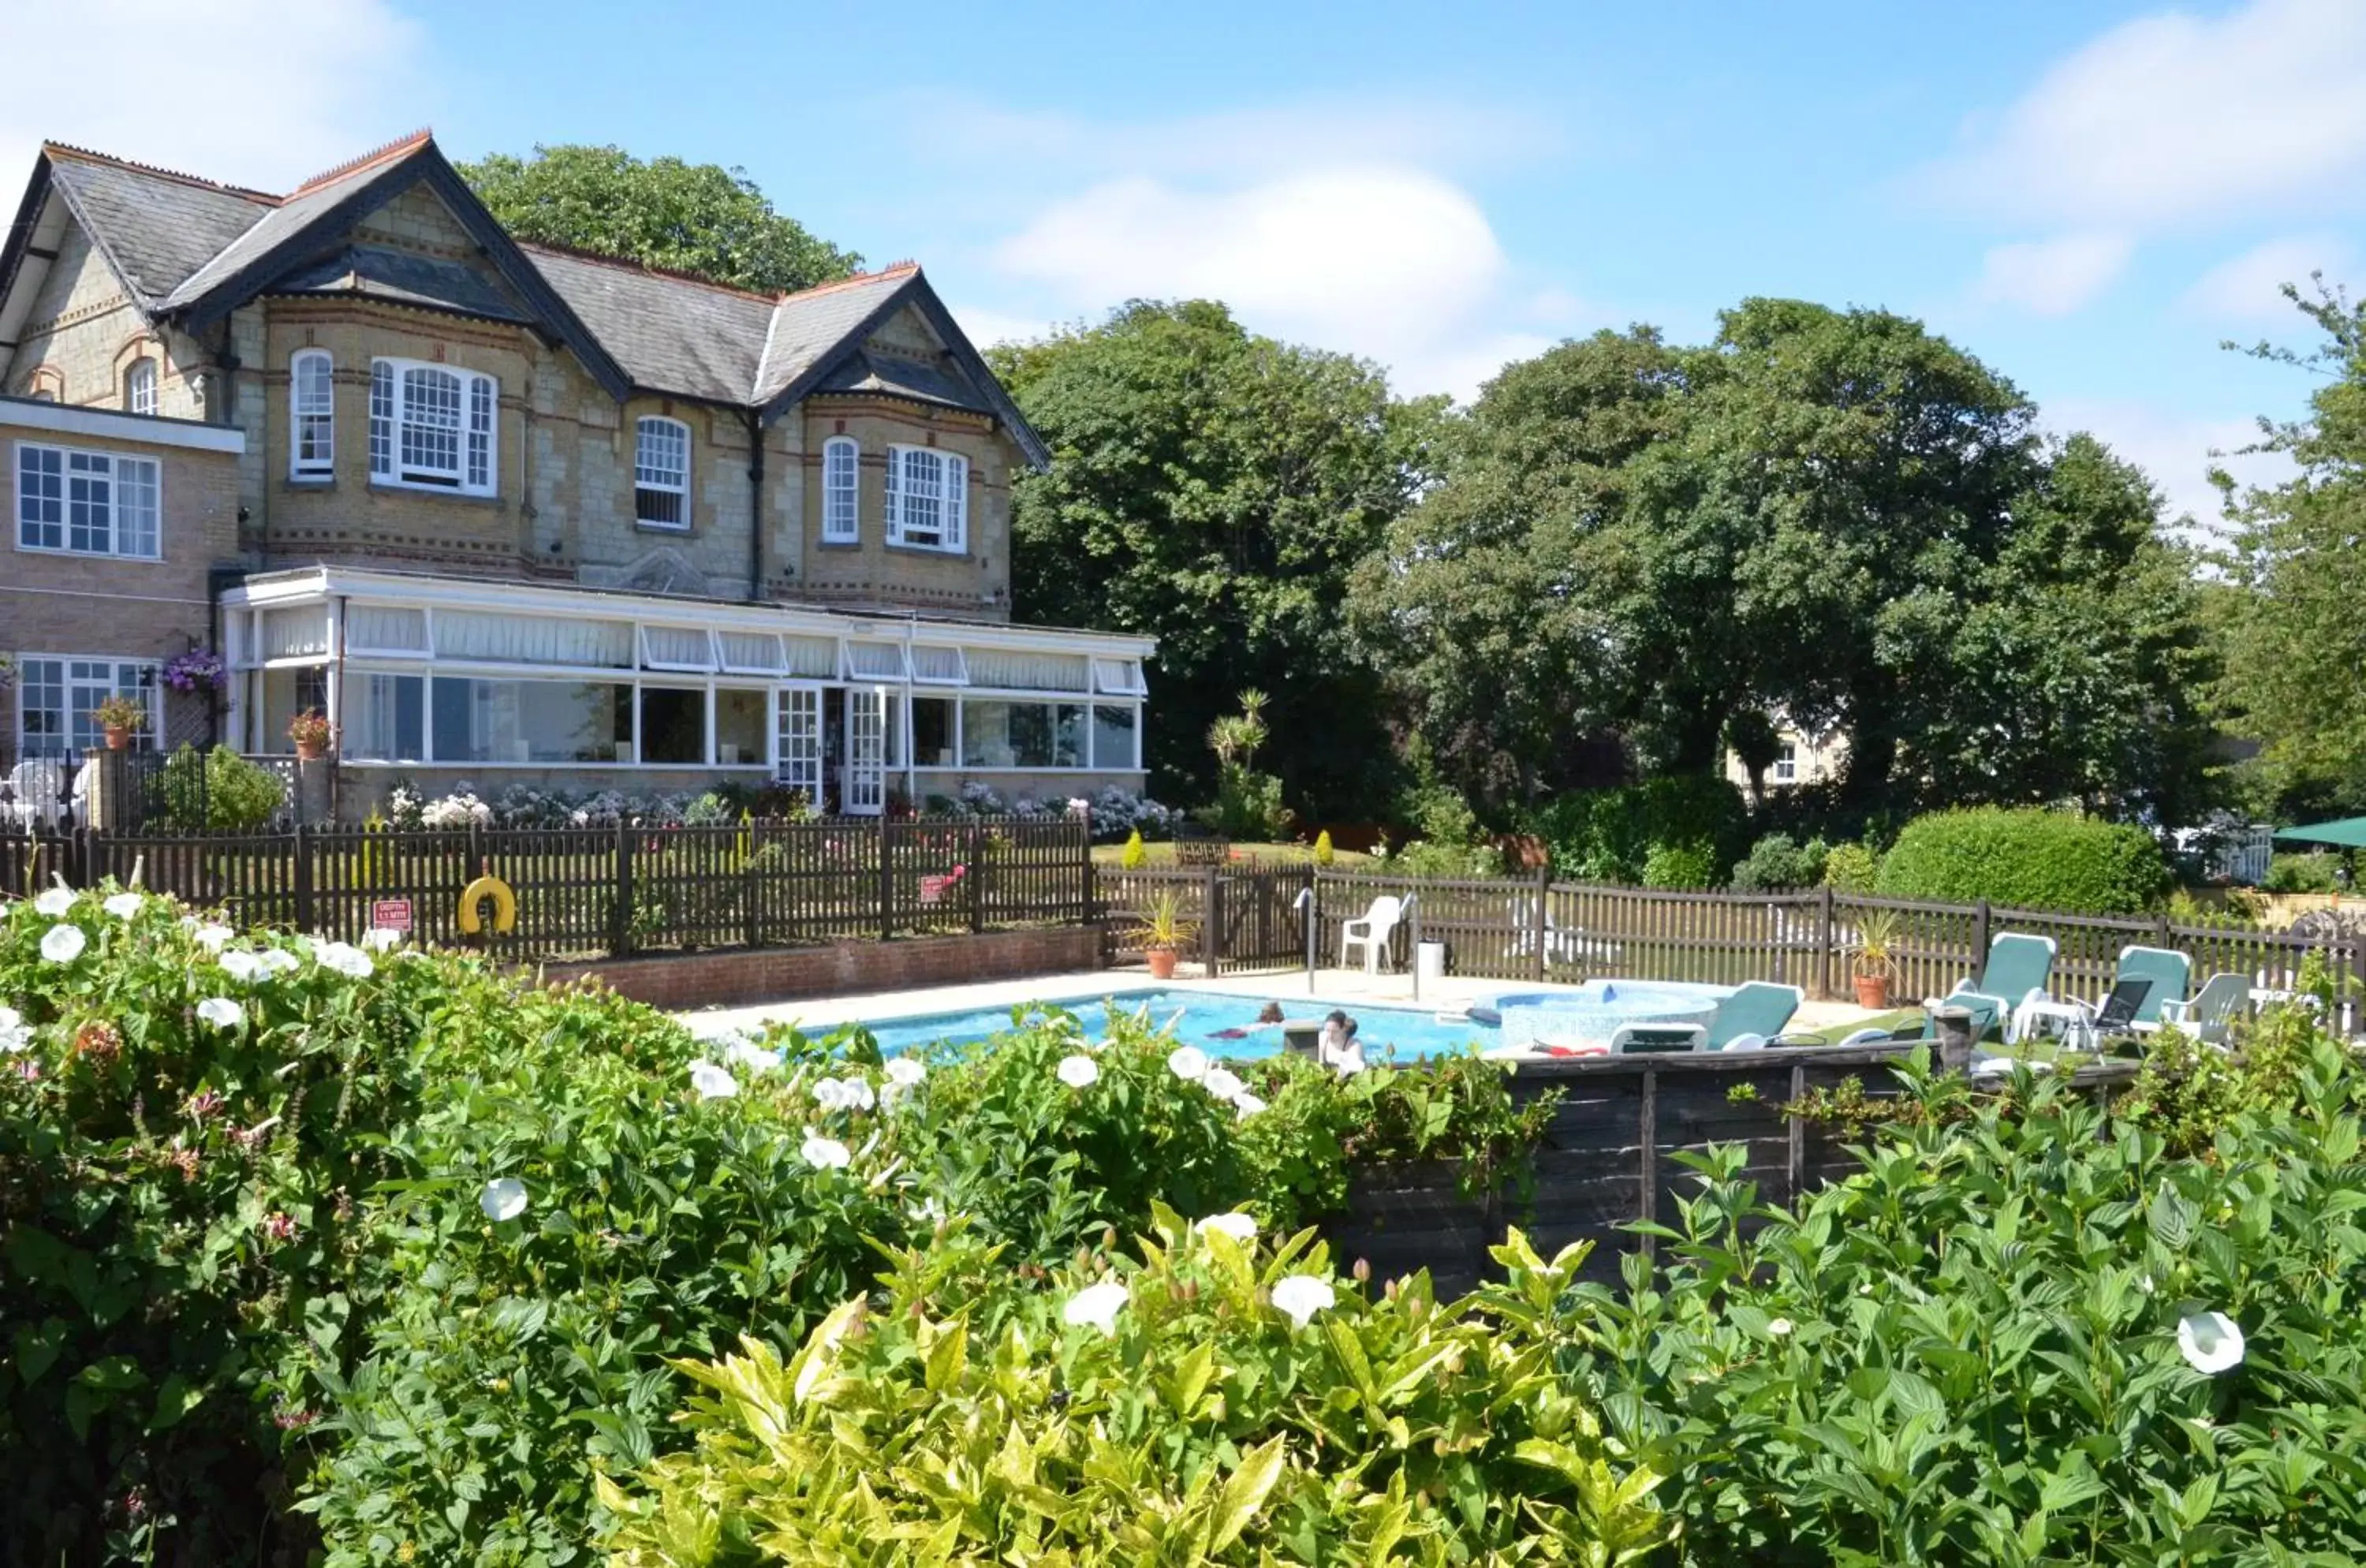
(799, 765)
(865, 790)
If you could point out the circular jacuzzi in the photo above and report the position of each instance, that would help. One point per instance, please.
(1585, 1018)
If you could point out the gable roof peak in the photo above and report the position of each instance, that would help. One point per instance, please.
(88, 155)
(400, 147)
(852, 280)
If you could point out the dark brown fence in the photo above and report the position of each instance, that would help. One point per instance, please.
(591, 892)
(1534, 929)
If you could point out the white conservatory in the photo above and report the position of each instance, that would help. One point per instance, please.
(440, 679)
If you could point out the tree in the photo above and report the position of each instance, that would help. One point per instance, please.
(1831, 516)
(2293, 630)
(1214, 489)
(697, 217)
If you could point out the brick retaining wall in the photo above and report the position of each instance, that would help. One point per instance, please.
(742, 976)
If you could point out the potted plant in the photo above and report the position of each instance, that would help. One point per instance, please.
(1164, 933)
(311, 731)
(119, 716)
(1875, 964)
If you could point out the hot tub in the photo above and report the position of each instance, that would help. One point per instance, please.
(1585, 1018)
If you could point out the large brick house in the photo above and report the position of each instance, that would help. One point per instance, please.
(511, 513)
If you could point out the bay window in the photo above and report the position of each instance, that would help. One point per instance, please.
(928, 499)
(1022, 735)
(431, 426)
(385, 717)
(480, 720)
(673, 724)
(1114, 733)
(740, 721)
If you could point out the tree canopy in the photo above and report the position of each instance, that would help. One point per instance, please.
(698, 217)
(1215, 487)
(1835, 516)
(2295, 628)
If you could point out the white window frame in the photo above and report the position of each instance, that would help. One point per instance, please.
(311, 414)
(1786, 762)
(80, 469)
(653, 480)
(80, 693)
(841, 490)
(473, 426)
(140, 387)
(927, 500)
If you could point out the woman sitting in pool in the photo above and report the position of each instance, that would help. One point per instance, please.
(1269, 1017)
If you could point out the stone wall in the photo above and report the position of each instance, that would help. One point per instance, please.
(745, 976)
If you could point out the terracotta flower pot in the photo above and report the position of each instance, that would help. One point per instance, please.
(1872, 992)
(1162, 963)
(118, 738)
(312, 750)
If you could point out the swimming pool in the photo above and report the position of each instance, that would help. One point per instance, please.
(1200, 1018)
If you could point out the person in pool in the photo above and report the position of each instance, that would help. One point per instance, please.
(1268, 1017)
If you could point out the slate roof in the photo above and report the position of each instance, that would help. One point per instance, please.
(193, 250)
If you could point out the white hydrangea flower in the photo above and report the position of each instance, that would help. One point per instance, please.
(712, 1082)
(63, 945)
(221, 1013)
(1188, 1062)
(346, 959)
(1301, 1297)
(1222, 1082)
(502, 1199)
(826, 1153)
(2211, 1342)
(1095, 1306)
(124, 906)
(1076, 1072)
(1242, 1228)
(54, 901)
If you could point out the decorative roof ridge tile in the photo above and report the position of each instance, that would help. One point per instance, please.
(852, 280)
(399, 147)
(69, 149)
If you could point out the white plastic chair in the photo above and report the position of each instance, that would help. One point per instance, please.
(1372, 932)
(38, 786)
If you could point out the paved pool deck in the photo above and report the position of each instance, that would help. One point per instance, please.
(1343, 987)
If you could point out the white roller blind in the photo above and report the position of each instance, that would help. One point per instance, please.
(533, 640)
(1026, 671)
(296, 633)
(385, 628)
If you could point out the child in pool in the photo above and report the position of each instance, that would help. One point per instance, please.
(1269, 1017)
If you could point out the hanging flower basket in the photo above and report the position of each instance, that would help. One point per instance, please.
(199, 669)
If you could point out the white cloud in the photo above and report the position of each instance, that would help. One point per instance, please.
(261, 93)
(2174, 118)
(2250, 288)
(2174, 448)
(1392, 262)
(2053, 277)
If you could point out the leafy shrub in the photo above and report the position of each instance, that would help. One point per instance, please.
(1323, 853)
(1134, 855)
(1777, 865)
(2025, 858)
(1688, 866)
(1423, 857)
(1969, 1351)
(1607, 835)
(219, 789)
(1850, 868)
(1248, 806)
(2315, 872)
(1241, 1405)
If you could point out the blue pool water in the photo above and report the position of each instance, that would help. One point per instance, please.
(1204, 1017)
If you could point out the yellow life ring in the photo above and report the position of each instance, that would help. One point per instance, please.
(505, 906)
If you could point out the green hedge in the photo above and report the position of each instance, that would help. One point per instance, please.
(1609, 835)
(2028, 859)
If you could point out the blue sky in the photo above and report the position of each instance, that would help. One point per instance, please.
(2090, 196)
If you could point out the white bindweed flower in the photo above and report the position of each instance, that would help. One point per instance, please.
(826, 1153)
(927, 1211)
(905, 1072)
(749, 1055)
(123, 906)
(1247, 1104)
(221, 1013)
(1780, 1327)
(15, 1036)
(1079, 1072)
(829, 1094)
(856, 1094)
(1222, 1082)
(2211, 1342)
(1240, 1228)
(502, 1199)
(380, 939)
(712, 1082)
(213, 939)
(278, 961)
(344, 958)
(1095, 1305)
(63, 945)
(1188, 1062)
(54, 901)
(243, 967)
(1303, 1295)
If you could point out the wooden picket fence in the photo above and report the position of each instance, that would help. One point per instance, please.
(593, 892)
